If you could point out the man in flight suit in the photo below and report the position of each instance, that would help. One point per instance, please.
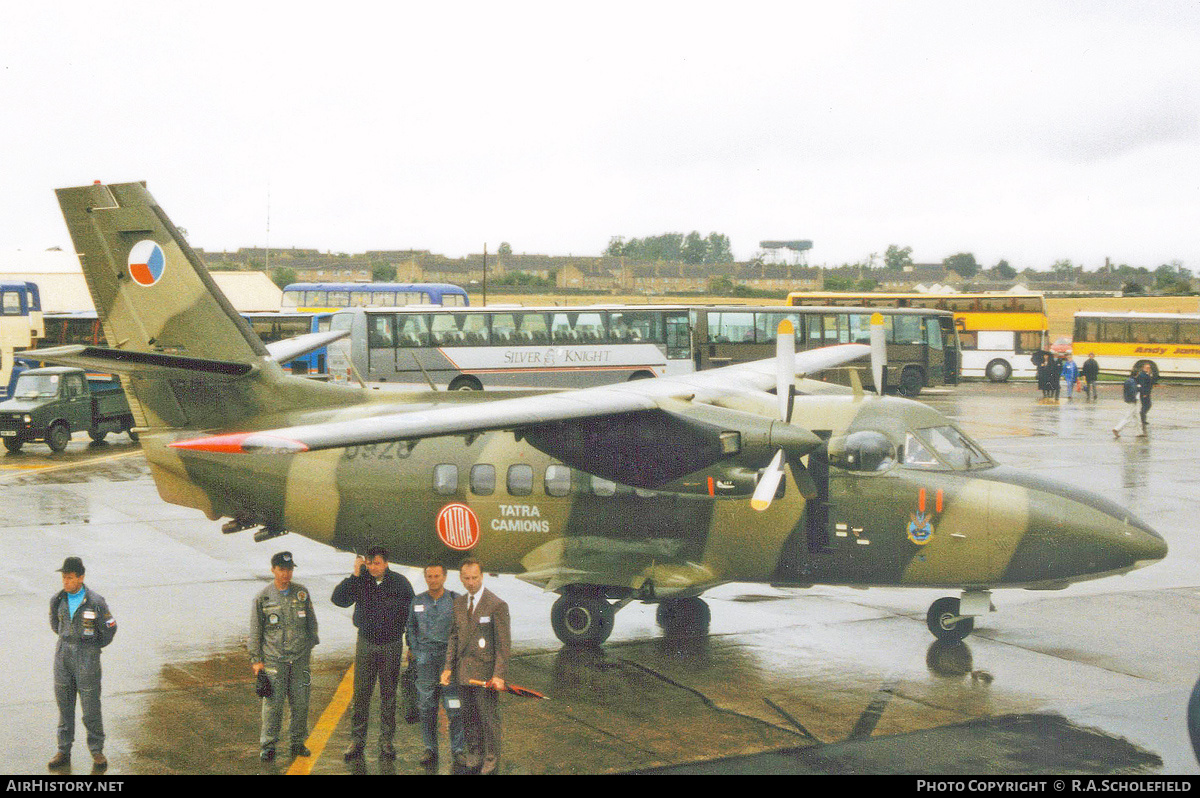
(80, 618)
(478, 650)
(283, 631)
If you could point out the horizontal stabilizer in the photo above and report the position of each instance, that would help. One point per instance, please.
(141, 364)
(291, 348)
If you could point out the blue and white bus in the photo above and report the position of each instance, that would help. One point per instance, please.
(21, 325)
(83, 327)
(333, 296)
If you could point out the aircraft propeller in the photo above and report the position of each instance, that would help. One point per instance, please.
(785, 387)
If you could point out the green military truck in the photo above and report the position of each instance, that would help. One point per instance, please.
(51, 404)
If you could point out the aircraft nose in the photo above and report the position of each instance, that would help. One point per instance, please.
(1075, 534)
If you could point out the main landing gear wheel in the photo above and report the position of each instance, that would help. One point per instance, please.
(581, 620)
(683, 617)
(944, 621)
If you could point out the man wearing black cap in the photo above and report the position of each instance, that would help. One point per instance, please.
(381, 599)
(80, 618)
(283, 631)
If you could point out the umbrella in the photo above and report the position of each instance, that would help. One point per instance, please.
(515, 689)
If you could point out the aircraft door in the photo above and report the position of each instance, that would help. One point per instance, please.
(816, 510)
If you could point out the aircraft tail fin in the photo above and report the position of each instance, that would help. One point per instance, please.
(155, 298)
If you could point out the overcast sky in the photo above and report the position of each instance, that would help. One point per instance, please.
(1030, 131)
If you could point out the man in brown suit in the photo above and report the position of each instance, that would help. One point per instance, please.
(478, 650)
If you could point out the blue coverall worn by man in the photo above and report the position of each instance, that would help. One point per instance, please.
(80, 618)
(428, 632)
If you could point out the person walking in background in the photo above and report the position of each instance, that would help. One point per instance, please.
(1130, 393)
(1145, 382)
(1070, 373)
(1090, 373)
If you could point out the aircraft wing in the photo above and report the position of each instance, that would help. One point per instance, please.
(600, 406)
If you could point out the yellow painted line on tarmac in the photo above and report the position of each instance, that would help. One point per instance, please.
(72, 464)
(319, 737)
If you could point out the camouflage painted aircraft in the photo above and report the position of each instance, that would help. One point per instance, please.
(653, 490)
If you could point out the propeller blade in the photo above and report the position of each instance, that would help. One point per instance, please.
(878, 351)
(804, 480)
(768, 484)
(785, 367)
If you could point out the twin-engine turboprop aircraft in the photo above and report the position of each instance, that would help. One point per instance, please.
(653, 490)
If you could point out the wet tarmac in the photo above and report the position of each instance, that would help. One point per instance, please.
(1092, 679)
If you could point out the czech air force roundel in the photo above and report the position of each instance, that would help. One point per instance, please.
(146, 263)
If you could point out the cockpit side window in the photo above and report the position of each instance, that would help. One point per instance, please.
(916, 455)
(942, 447)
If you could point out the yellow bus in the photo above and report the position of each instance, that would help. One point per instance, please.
(999, 332)
(1169, 342)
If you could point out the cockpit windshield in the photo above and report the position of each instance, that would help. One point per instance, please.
(942, 447)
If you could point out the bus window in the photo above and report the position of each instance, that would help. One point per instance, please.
(532, 329)
(933, 332)
(381, 331)
(860, 328)
(766, 325)
(561, 331)
(726, 327)
(474, 329)
(413, 329)
(520, 480)
(1086, 329)
(483, 479)
(1029, 341)
(590, 328)
(504, 329)
(906, 330)
(1151, 331)
(679, 336)
(636, 326)
(444, 330)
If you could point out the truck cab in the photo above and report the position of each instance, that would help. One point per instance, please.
(51, 404)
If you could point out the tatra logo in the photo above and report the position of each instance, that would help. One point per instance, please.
(458, 526)
(146, 263)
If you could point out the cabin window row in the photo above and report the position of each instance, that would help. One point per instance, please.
(557, 480)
